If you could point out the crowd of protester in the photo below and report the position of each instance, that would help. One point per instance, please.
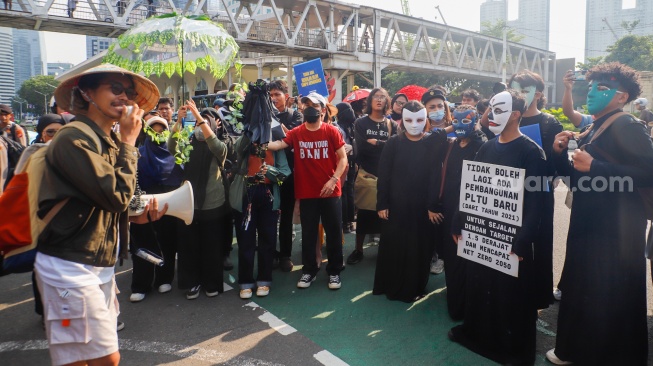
(385, 167)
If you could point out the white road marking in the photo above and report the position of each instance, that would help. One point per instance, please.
(277, 324)
(328, 359)
(177, 350)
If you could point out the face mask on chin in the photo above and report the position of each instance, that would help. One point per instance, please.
(414, 122)
(199, 135)
(500, 111)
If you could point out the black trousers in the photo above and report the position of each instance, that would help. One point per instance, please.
(145, 274)
(329, 210)
(201, 250)
(348, 208)
(228, 232)
(262, 221)
(285, 221)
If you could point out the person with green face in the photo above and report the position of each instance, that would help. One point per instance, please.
(602, 318)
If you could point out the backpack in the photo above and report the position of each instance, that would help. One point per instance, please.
(14, 151)
(20, 225)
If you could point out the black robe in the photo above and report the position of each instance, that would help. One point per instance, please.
(501, 310)
(454, 266)
(602, 317)
(406, 246)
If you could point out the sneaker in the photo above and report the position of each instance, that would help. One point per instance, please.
(261, 291)
(346, 228)
(334, 282)
(551, 356)
(355, 257)
(377, 239)
(437, 266)
(211, 293)
(557, 294)
(246, 293)
(227, 264)
(285, 264)
(136, 297)
(193, 293)
(166, 287)
(120, 326)
(305, 281)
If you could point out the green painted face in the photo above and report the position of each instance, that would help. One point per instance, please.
(599, 96)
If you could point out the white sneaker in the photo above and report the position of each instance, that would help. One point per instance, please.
(166, 287)
(437, 266)
(136, 297)
(305, 281)
(263, 291)
(557, 294)
(551, 356)
(246, 293)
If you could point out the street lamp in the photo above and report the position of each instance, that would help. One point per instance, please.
(45, 101)
(20, 102)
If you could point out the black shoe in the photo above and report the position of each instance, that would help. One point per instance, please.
(193, 293)
(355, 257)
(285, 264)
(227, 264)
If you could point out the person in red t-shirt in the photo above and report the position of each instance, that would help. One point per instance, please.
(320, 160)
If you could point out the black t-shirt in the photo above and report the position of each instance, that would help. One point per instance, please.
(369, 155)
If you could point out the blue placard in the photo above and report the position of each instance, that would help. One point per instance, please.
(533, 132)
(309, 76)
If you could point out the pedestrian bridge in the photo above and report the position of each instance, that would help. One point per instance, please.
(348, 38)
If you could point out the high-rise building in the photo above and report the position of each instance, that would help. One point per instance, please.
(532, 22)
(95, 45)
(607, 21)
(493, 10)
(29, 55)
(57, 68)
(7, 83)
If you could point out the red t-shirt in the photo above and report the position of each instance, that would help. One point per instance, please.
(315, 158)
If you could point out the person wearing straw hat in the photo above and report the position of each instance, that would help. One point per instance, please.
(91, 178)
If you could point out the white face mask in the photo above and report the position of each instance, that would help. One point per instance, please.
(414, 122)
(500, 111)
(529, 92)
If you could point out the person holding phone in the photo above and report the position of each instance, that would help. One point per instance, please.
(200, 259)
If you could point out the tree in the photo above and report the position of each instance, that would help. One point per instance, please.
(634, 51)
(496, 30)
(38, 90)
(589, 63)
(629, 26)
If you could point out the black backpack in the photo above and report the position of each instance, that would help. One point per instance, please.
(14, 151)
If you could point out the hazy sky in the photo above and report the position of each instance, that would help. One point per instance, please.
(567, 29)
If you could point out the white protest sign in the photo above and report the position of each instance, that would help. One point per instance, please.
(491, 204)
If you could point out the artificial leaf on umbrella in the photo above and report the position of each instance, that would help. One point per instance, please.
(173, 43)
(413, 92)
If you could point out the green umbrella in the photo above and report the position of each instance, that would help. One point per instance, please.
(173, 43)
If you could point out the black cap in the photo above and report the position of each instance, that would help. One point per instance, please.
(432, 94)
(212, 112)
(48, 119)
(5, 109)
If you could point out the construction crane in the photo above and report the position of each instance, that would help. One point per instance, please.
(605, 20)
(405, 8)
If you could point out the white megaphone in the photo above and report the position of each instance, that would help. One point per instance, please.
(180, 203)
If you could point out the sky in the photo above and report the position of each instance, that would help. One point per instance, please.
(566, 38)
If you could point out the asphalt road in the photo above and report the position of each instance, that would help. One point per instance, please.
(168, 329)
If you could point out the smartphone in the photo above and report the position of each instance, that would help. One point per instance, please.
(579, 75)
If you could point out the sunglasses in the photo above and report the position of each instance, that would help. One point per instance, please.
(50, 132)
(118, 88)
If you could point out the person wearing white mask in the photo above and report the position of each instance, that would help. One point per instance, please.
(500, 310)
(531, 85)
(405, 168)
